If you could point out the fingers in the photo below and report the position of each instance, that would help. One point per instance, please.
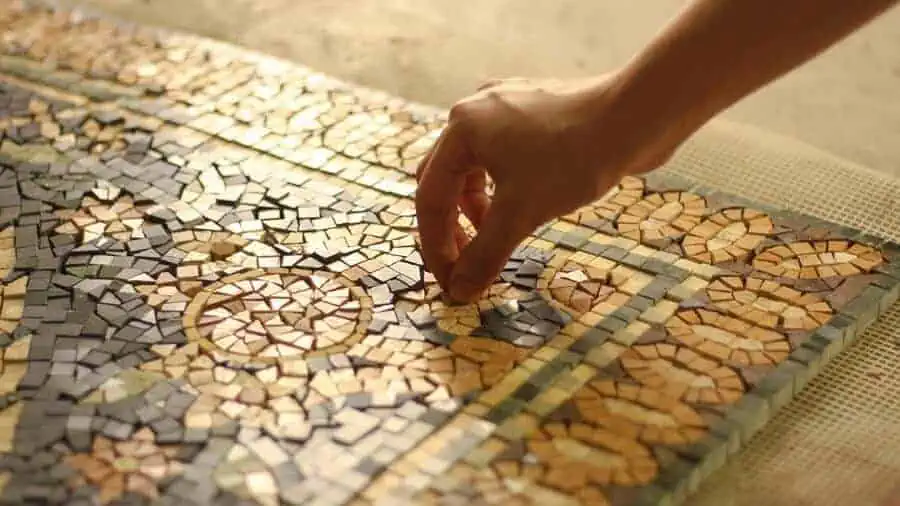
(423, 163)
(440, 189)
(475, 198)
(461, 238)
(503, 228)
(475, 201)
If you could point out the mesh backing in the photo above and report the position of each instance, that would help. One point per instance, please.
(838, 442)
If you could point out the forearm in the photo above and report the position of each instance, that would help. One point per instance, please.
(719, 51)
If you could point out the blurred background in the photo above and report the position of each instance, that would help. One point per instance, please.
(435, 51)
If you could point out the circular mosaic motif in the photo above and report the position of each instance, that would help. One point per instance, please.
(725, 338)
(661, 215)
(768, 304)
(278, 313)
(683, 373)
(726, 236)
(580, 287)
(818, 259)
(639, 412)
(580, 284)
(580, 455)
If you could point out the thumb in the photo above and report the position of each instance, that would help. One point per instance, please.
(480, 263)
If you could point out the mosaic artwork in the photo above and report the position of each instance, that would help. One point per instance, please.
(211, 292)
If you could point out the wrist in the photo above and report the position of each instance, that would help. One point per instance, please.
(639, 119)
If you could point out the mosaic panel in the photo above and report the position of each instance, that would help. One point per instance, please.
(211, 292)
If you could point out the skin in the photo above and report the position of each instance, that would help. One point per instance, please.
(551, 146)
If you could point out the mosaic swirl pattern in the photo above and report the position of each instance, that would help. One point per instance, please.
(211, 292)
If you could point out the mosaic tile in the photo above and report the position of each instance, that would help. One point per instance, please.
(117, 467)
(12, 293)
(211, 292)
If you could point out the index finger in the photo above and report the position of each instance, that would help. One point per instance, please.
(440, 188)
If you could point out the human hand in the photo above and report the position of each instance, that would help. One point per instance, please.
(549, 146)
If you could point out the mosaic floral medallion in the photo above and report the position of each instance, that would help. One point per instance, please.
(471, 364)
(581, 287)
(467, 318)
(278, 314)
